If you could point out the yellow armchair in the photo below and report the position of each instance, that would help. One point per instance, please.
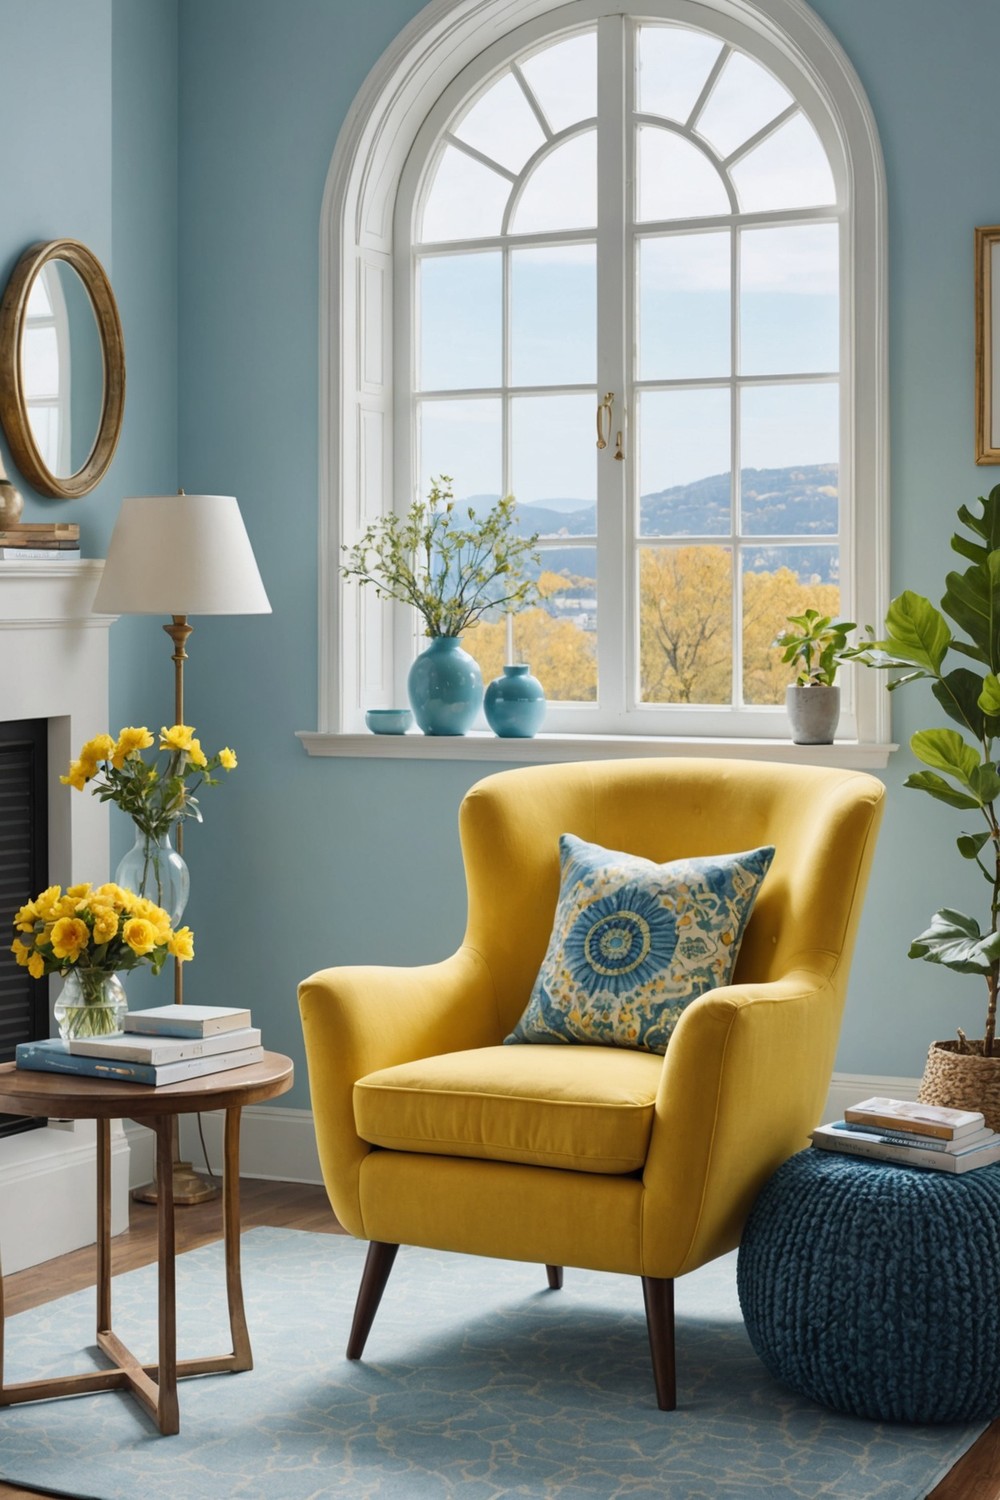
(433, 1133)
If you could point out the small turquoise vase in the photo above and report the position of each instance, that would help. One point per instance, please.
(515, 704)
(445, 687)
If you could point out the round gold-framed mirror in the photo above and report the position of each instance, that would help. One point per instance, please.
(62, 368)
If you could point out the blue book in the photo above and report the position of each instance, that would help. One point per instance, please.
(53, 1056)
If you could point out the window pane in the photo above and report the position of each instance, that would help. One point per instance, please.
(789, 435)
(684, 463)
(676, 180)
(685, 624)
(787, 170)
(684, 307)
(45, 423)
(39, 304)
(460, 312)
(554, 315)
(563, 79)
(40, 362)
(466, 200)
(673, 66)
(778, 582)
(461, 439)
(789, 300)
(561, 192)
(502, 125)
(746, 96)
(554, 457)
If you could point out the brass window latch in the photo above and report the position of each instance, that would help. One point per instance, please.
(604, 413)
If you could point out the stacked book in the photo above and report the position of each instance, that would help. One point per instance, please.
(912, 1135)
(163, 1045)
(40, 542)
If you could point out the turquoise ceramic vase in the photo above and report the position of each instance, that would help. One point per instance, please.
(445, 687)
(515, 703)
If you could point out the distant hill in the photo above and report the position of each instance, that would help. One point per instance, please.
(800, 502)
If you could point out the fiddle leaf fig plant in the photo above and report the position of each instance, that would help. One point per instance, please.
(816, 647)
(961, 763)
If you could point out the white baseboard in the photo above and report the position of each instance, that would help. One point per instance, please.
(48, 1191)
(280, 1144)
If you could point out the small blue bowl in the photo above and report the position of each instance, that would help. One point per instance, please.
(388, 720)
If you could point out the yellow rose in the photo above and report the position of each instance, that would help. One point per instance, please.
(45, 904)
(77, 777)
(79, 892)
(100, 747)
(25, 918)
(227, 759)
(140, 935)
(36, 966)
(21, 952)
(105, 923)
(196, 754)
(180, 945)
(178, 737)
(110, 894)
(69, 937)
(130, 739)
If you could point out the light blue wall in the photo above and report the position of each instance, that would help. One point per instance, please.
(300, 862)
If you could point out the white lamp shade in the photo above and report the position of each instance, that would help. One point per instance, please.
(180, 555)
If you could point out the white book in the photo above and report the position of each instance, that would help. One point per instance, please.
(135, 1047)
(186, 1020)
(910, 1114)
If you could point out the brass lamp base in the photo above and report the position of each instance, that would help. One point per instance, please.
(189, 1187)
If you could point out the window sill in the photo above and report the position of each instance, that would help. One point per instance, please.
(480, 745)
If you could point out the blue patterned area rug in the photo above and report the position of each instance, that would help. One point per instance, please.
(478, 1382)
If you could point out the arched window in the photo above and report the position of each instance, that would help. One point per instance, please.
(628, 268)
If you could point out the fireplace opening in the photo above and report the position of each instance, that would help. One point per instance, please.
(24, 871)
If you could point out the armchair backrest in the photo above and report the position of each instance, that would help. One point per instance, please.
(821, 821)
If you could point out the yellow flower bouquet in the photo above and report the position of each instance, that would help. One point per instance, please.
(89, 934)
(157, 792)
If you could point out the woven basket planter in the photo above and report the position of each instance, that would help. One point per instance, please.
(962, 1080)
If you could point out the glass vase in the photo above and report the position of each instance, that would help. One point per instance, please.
(92, 1003)
(153, 868)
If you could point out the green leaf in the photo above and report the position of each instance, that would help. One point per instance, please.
(955, 941)
(984, 783)
(969, 844)
(936, 786)
(946, 751)
(972, 600)
(959, 694)
(989, 697)
(917, 632)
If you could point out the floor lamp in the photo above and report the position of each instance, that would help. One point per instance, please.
(180, 555)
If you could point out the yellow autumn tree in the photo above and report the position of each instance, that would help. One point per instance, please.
(685, 625)
(561, 655)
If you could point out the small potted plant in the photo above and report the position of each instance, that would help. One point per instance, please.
(815, 647)
(452, 566)
(962, 772)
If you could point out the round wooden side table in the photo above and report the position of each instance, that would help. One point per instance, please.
(69, 1097)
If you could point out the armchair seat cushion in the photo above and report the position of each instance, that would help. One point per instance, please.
(583, 1108)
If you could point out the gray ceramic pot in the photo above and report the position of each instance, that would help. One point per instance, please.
(813, 713)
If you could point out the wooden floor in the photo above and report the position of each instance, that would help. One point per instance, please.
(974, 1477)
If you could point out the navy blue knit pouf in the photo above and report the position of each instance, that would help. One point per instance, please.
(875, 1289)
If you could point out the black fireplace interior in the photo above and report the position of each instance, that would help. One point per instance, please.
(24, 824)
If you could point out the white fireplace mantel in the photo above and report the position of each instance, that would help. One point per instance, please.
(54, 666)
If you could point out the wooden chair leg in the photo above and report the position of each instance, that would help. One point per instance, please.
(658, 1295)
(555, 1275)
(373, 1280)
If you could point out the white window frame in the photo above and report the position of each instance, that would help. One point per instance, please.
(358, 644)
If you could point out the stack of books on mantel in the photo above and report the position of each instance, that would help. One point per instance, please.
(163, 1045)
(912, 1135)
(40, 542)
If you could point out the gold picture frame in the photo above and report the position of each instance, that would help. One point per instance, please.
(988, 345)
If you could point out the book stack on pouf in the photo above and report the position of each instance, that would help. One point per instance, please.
(165, 1044)
(910, 1134)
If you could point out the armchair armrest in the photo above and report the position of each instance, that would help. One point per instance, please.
(357, 1019)
(744, 1080)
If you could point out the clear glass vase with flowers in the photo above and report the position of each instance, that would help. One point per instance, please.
(89, 935)
(157, 792)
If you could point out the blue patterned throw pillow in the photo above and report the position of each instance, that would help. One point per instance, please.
(634, 942)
